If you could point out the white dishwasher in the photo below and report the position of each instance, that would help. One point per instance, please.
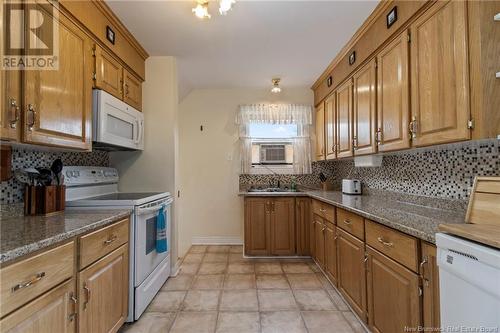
(469, 283)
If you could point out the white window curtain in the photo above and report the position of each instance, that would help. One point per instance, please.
(301, 115)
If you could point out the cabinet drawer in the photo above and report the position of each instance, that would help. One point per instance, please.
(101, 242)
(324, 210)
(352, 223)
(396, 245)
(27, 279)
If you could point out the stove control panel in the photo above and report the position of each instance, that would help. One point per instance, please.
(87, 175)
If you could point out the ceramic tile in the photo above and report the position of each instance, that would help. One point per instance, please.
(212, 268)
(238, 257)
(324, 281)
(213, 281)
(276, 300)
(236, 249)
(189, 268)
(239, 300)
(215, 257)
(268, 268)
(354, 322)
(310, 300)
(218, 248)
(239, 281)
(151, 322)
(193, 258)
(296, 267)
(282, 322)
(201, 300)
(337, 300)
(326, 321)
(238, 322)
(272, 281)
(179, 282)
(304, 281)
(194, 322)
(198, 249)
(167, 301)
(240, 268)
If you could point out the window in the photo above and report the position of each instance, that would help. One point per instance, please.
(272, 145)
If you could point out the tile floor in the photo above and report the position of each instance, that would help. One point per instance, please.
(217, 290)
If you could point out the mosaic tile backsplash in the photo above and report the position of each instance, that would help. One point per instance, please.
(12, 191)
(445, 171)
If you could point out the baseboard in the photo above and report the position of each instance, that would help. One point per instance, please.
(216, 241)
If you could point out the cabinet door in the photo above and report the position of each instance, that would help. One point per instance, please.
(58, 103)
(344, 119)
(330, 127)
(319, 241)
(331, 252)
(132, 90)
(393, 295)
(430, 276)
(439, 75)
(364, 110)
(320, 132)
(312, 236)
(282, 224)
(54, 311)
(108, 73)
(103, 290)
(256, 227)
(393, 109)
(352, 271)
(303, 223)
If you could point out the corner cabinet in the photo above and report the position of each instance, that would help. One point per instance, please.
(58, 103)
(270, 226)
(439, 75)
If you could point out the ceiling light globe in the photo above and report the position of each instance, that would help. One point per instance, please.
(276, 90)
(201, 11)
(225, 6)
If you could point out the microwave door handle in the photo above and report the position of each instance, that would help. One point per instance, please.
(139, 131)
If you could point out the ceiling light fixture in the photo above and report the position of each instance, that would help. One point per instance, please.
(276, 86)
(225, 6)
(201, 10)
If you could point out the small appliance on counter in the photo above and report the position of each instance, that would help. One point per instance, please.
(351, 186)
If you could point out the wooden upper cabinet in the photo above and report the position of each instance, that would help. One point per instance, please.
(303, 223)
(430, 276)
(364, 109)
(439, 75)
(393, 295)
(11, 99)
(256, 226)
(393, 107)
(344, 119)
(132, 90)
(352, 272)
(54, 311)
(108, 73)
(330, 127)
(331, 252)
(103, 293)
(320, 132)
(58, 103)
(282, 224)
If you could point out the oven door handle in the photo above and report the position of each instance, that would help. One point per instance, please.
(144, 211)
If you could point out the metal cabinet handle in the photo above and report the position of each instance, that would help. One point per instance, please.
(366, 259)
(347, 222)
(381, 240)
(87, 296)
(14, 107)
(26, 284)
(31, 109)
(421, 268)
(73, 299)
(413, 128)
(110, 240)
(126, 89)
(378, 136)
(322, 210)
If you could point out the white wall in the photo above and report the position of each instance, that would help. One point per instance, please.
(154, 169)
(209, 162)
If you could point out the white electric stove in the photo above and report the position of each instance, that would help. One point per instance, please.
(97, 188)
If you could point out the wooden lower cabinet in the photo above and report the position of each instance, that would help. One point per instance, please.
(303, 222)
(53, 312)
(331, 252)
(319, 241)
(103, 293)
(282, 226)
(352, 271)
(393, 295)
(430, 285)
(270, 226)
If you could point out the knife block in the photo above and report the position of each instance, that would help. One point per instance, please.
(44, 200)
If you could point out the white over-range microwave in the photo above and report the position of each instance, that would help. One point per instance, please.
(116, 125)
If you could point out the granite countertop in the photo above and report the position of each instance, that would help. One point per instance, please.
(23, 235)
(413, 215)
